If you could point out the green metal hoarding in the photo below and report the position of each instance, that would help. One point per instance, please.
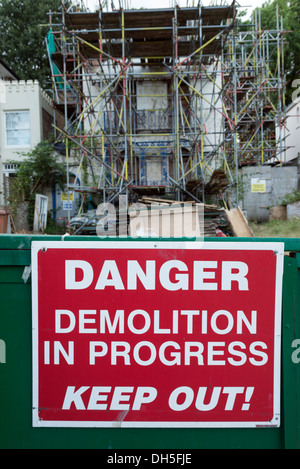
(16, 430)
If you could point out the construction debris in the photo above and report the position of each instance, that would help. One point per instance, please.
(218, 182)
(211, 219)
(164, 218)
(167, 221)
(238, 223)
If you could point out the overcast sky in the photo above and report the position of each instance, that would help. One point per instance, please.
(251, 4)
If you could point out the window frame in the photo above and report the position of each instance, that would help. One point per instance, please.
(17, 111)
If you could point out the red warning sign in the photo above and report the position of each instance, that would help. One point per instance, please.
(156, 334)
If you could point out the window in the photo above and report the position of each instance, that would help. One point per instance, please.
(17, 126)
(10, 168)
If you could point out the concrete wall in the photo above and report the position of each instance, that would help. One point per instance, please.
(278, 182)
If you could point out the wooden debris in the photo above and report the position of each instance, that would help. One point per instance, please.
(210, 216)
(278, 213)
(165, 222)
(238, 223)
(218, 182)
(155, 200)
(201, 219)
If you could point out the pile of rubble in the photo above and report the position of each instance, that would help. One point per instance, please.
(203, 220)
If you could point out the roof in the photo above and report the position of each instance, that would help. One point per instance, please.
(6, 71)
(149, 33)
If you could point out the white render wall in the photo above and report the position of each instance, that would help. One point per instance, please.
(154, 105)
(21, 96)
(291, 132)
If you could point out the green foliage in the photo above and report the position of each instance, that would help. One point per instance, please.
(290, 11)
(277, 229)
(40, 169)
(52, 227)
(22, 44)
(291, 198)
(294, 39)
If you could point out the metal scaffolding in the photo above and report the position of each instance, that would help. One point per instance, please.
(154, 101)
(255, 92)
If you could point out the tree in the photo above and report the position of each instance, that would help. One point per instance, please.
(22, 37)
(294, 38)
(42, 168)
(290, 11)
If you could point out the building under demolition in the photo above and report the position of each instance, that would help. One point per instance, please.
(167, 102)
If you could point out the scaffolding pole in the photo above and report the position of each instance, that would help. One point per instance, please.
(215, 97)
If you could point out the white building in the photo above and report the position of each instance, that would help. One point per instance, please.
(151, 120)
(26, 116)
(291, 132)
